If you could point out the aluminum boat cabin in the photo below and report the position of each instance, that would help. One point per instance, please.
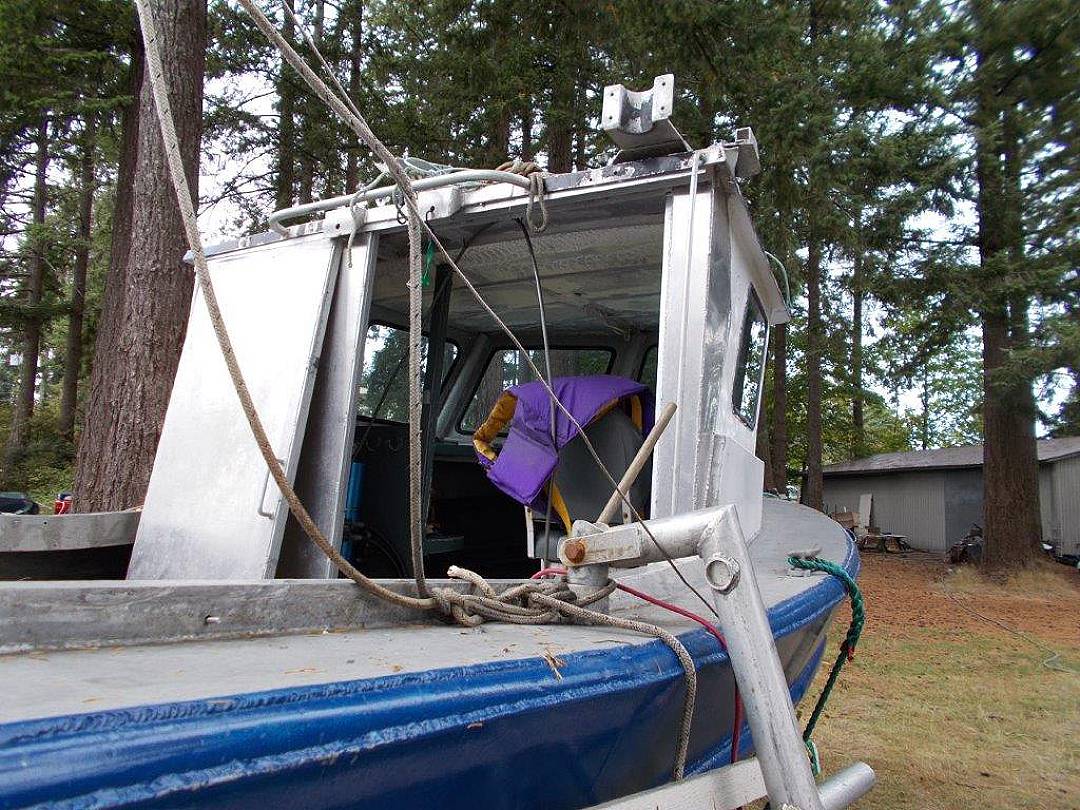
(234, 668)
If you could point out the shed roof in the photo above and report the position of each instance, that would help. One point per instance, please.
(944, 458)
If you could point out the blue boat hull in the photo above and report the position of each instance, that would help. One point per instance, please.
(498, 735)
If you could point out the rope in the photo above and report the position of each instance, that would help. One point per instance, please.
(537, 189)
(547, 367)
(1051, 662)
(528, 603)
(847, 646)
(185, 202)
(536, 192)
(356, 121)
(540, 601)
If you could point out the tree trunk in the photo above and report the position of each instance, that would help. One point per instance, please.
(115, 281)
(778, 429)
(527, 121)
(499, 145)
(286, 132)
(130, 387)
(1011, 515)
(314, 116)
(31, 344)
(355, 26)
(559, 120)
(74, 349)
(924, 421)
(813, 494)
(858, 420)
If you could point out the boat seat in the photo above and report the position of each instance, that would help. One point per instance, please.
(582, 485)
(557, 474)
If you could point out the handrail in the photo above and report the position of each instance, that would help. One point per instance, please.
(424, 184)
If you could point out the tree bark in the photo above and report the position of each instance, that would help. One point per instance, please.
(130, 386)
(115, 280)
(31, 343)
(559, 120)
(354, 12)
(74, 349)
(924, 420)
(527, 121)
(498, 147)
(778, 429)
(858, 420)
(286, 132)
(313, 117)
(812, 496)
(1011, 515)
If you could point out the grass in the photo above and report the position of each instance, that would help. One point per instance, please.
(950, 710)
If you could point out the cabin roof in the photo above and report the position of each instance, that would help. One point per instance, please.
(944, 458)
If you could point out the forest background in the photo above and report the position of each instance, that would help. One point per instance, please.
(920, 181)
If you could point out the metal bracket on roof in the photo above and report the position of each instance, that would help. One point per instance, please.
(742, 153)
(639, 122)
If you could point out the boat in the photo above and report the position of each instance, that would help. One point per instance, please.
(91, 545)
(233, 667)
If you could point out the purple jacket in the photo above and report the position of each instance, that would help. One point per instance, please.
(528, 456)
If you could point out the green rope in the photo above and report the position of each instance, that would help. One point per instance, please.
(429, 264)
(847, 647)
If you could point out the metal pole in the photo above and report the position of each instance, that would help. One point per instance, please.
(744, 622)
(845, 787)
(426, 184)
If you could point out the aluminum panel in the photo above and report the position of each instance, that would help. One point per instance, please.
(706, 456)
(322, 476)
(211, 511)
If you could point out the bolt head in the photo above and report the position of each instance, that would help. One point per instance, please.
(574, 551)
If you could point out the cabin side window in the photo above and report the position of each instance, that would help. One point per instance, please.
(507, 367)
(746, 392)
(647, 374)
(384, 382)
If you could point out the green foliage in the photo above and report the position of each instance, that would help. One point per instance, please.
(47, 466)
(864, 112)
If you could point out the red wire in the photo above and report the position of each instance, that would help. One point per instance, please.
(548, 572)
(737, 727)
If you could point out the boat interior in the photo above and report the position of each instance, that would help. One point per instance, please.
(601, 297)
(601, 287)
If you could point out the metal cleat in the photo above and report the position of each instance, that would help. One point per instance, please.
(639, 122)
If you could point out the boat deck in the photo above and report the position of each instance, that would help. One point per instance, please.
(49, 683)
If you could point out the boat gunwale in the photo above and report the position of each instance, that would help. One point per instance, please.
(785, 617)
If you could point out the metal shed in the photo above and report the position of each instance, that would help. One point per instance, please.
(933, 496)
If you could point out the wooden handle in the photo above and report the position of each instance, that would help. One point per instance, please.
(637, 464)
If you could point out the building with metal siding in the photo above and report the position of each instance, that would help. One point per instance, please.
(934, 496)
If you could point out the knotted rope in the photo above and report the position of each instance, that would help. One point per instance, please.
(549, 601)
(535, 173)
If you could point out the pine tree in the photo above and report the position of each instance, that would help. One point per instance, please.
(130, 384)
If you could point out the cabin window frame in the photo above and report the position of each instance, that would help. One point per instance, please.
(652, 348)
(754, 305)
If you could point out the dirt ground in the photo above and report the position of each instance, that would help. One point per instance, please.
(951, 708)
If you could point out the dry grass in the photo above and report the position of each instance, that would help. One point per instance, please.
(953, 711)
(1043, 578)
